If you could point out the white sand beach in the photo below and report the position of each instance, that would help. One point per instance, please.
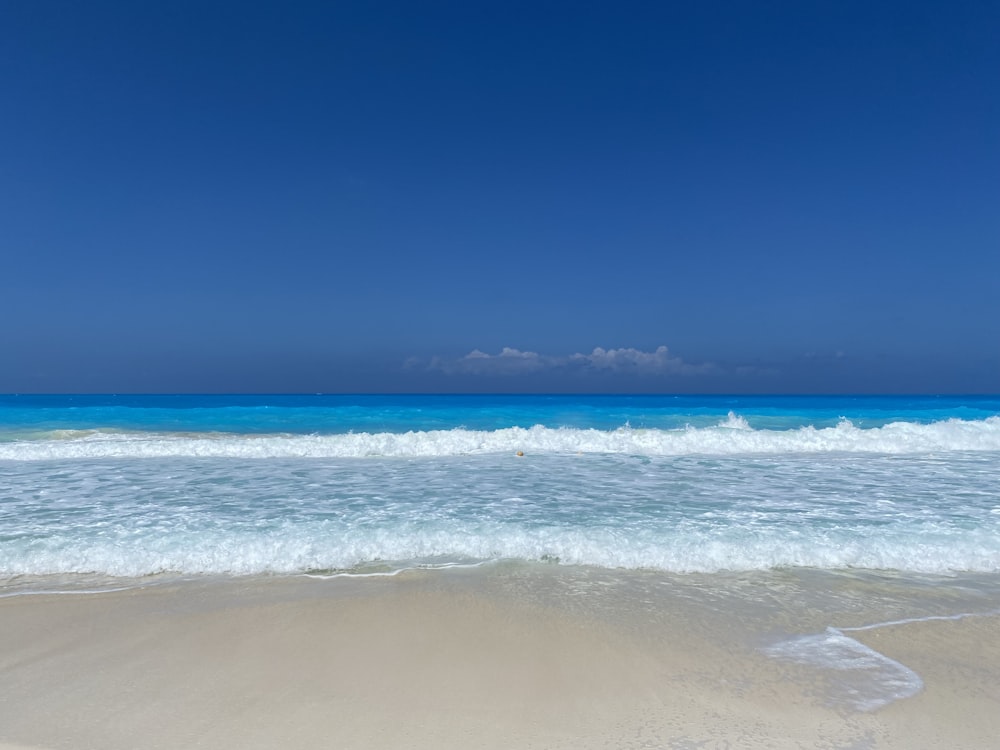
(441, 662)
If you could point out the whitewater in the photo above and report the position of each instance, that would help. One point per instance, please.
(155, 485)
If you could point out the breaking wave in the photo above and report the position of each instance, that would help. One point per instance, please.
(733, 436)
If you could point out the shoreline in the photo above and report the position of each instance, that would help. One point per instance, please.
(496, 658)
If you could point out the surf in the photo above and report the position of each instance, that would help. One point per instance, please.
(732, 436)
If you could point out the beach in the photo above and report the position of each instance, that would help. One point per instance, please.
(499, 572)
(497, 376)
(497, 658)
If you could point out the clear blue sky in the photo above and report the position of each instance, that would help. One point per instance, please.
(356, 196)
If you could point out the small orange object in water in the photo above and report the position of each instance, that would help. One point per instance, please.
(520, 453)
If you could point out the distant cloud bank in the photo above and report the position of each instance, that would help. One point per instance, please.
(509, 361)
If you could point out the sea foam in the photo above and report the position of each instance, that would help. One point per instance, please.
(868, 680)
(731, 437)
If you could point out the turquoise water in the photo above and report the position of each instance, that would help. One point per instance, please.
(335, 414)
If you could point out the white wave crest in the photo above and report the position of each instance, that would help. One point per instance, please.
(732, 437)
(297, 548)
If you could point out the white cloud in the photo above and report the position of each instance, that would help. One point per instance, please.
(508, 362)
(512, 361)
(635, 360)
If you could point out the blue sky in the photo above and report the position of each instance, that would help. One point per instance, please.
(503, 196)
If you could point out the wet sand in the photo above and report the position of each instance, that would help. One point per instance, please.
(454, 661)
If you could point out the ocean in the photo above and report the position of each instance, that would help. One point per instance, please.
(851, 512)
(145, 485)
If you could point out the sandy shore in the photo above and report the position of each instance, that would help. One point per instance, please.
(449, 662)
